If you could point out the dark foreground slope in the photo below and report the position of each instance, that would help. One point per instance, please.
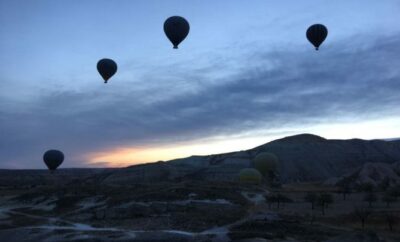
(33, 178)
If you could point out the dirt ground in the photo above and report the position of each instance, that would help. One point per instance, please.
(188, 211)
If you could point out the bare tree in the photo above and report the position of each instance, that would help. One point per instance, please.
(370, 197)
(362, 213)
(269, 200)
(384, 184)
(391, 220)
(312, 198)
(344, 188)
(366, 187)
(277, 198)
(324, 199)
(388, 198)
(395, 191)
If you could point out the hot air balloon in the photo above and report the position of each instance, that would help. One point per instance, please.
(316, 34)
(107, 68)
(266, 163)
(176, 28)
(250, 175)
(53, 159)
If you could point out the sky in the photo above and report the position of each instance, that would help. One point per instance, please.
(244, 76)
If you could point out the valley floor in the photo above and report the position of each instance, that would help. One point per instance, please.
(187, 211)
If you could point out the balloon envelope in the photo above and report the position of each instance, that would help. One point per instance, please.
(250, 175)
(316, 34)
(107, 68)
(176, 28)
(53, 159)
(266, 162)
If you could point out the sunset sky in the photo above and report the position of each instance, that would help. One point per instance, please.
(245, 75)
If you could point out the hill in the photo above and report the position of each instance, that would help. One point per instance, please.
(303, 157)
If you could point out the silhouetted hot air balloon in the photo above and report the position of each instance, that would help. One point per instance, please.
(176, 28)
(107, 68)
(316, 34)
(250, 175)
(53, 159)
(266, 163)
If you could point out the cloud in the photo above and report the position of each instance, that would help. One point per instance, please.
(354, 79)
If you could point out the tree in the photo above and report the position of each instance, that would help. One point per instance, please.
(384, 184)
(391, 220)
(370, 197)
(388, 198)
(269, 201)
(395, 191)
(344, 187)
(312, 198)
(277, 198)
(324, 199)
(366, 187)
(362, 213)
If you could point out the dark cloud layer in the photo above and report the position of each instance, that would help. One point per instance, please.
(357, 78)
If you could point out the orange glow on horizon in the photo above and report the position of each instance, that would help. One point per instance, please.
(126, 156)
(129, 155)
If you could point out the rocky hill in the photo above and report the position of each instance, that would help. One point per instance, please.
(302, 157)
(377, 174)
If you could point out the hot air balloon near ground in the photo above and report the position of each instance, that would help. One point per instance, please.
(250, 175)
(266, 162)
(53, 159)
(316, 34)
(107, 68)
(176, 28)
(268, 165)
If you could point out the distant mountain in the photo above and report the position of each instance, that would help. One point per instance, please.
(392, 139)
(304, 157)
